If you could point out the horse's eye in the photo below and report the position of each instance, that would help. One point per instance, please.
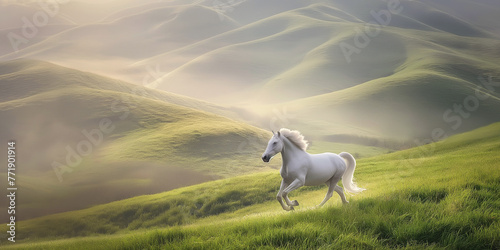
(274, 143)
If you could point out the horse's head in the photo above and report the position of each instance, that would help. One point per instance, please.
(274, 146)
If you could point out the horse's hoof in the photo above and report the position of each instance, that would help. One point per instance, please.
(295, 203)
(291, 209)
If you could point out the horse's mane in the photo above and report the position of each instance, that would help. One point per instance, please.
(295, 137)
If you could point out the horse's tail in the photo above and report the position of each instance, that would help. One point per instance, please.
(347, 178)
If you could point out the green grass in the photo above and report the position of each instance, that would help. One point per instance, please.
(443, 195)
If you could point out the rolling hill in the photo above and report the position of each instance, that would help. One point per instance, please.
(441, 195)
(152, 33)
(79, 133)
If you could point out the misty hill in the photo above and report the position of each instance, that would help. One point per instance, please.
(430, 90)
(79, 134)
(343, 60)
(204, 44)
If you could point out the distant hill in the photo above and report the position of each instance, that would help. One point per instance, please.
(201, 46)
(79, 134)
(329, 63)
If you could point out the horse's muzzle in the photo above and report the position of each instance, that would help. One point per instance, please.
(266, 158)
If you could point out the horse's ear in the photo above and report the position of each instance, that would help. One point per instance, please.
(279, 134)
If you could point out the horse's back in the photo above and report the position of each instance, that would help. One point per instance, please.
(323, 167)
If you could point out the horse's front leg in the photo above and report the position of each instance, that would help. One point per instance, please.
(289, 202)
(297, 183)
(279, 196)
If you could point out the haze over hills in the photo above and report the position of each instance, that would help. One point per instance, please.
(265, 55)
(166, 27)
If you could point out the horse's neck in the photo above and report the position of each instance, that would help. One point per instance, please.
(290, 151)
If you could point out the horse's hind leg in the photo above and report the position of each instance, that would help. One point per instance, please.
(340, 191)
(328, 194)
(332, 186)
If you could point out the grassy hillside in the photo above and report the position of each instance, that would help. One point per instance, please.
(403, 106)
(152, 141)
(442, 195)
(25, 77)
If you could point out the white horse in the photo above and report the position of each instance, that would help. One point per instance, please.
(300, 168)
